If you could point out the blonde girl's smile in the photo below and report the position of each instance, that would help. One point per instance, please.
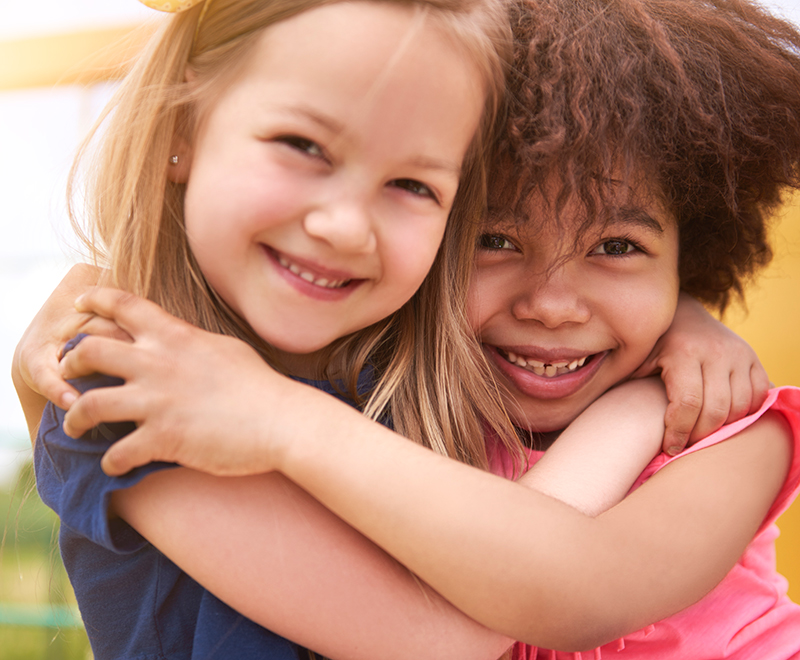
(321, 179)
(307, 278)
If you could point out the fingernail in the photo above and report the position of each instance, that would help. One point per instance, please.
(674, 451)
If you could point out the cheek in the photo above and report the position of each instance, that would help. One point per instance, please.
(412, 251)
(651, 318)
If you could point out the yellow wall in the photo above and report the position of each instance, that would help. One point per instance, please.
(63, 59)
(771, 327)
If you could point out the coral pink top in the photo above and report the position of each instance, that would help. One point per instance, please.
(748, 616)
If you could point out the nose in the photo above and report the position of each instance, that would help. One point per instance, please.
(552, 298)
(346, 225)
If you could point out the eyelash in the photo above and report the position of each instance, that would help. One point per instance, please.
(483, 242)
(416, 188)
(633, 245)
(303, 145)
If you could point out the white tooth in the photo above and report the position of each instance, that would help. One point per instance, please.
(536, 363)
(308, 277)
(539, 371)
(550, 370)
(295, 269)
(581, 361)
(282, 261)
(560, 365)
(572, 365)
(521, 362)
(321, 282)
(512, 357)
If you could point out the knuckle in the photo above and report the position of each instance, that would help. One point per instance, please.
(689, 401)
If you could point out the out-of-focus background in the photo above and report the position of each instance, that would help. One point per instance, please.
(58, 63)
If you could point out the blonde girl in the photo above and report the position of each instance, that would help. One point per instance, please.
(284, 173)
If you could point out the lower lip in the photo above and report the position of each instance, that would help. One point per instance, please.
(540, 387)
(308, 288)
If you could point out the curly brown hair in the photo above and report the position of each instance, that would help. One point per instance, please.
(702, 95)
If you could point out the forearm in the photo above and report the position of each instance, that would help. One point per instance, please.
(525, 564)
(599, 456)
(272, 552)
(32, 402)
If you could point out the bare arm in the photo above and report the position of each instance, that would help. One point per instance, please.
(276, 555)
(533, 568)
(599, 456)
(513, 559)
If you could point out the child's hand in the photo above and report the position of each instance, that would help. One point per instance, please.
(34, 368)
(194, 395)
(712, 376)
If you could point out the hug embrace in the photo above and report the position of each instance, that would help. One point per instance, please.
(386, 289)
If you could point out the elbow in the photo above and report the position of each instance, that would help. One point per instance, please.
(572, 625)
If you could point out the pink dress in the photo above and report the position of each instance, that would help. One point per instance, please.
(748, 616)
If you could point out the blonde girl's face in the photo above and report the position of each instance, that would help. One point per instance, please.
(320, 181)
(563, 315)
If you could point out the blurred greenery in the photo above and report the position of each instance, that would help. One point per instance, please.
(37, 607)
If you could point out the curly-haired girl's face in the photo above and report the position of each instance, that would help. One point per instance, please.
(564, 314)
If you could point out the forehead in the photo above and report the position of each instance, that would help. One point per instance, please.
(556, 207)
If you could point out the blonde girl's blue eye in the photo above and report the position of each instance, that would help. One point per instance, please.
(415, 188)
(303, 144)
(495, 242)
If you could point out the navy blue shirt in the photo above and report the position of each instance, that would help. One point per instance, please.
(135, 603)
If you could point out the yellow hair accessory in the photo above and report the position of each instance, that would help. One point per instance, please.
(171, 6)
(176, 6)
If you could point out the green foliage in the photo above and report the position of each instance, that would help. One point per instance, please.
(34, 589)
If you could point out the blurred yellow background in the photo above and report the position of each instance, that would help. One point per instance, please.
(771, 327)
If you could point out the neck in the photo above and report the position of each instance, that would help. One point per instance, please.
(310, 366)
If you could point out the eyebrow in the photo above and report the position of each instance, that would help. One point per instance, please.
(638, 217)
(338, 128)
(324, 120)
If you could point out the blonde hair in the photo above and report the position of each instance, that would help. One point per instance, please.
(432, 380)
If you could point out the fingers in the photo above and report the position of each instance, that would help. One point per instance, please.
(685, 393)
(761, 385)
(101, 405)
(99, 355)
(133, 315)
(52, 386)
(101, 327)
(134, 450)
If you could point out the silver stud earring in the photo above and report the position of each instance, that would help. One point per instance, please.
(173, 160)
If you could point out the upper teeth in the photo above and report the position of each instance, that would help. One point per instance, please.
(310, 277)
(543, 368)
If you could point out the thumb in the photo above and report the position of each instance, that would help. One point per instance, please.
(132, 451)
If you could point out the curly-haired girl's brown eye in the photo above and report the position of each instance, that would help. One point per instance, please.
(614, 247)
(495, 242)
